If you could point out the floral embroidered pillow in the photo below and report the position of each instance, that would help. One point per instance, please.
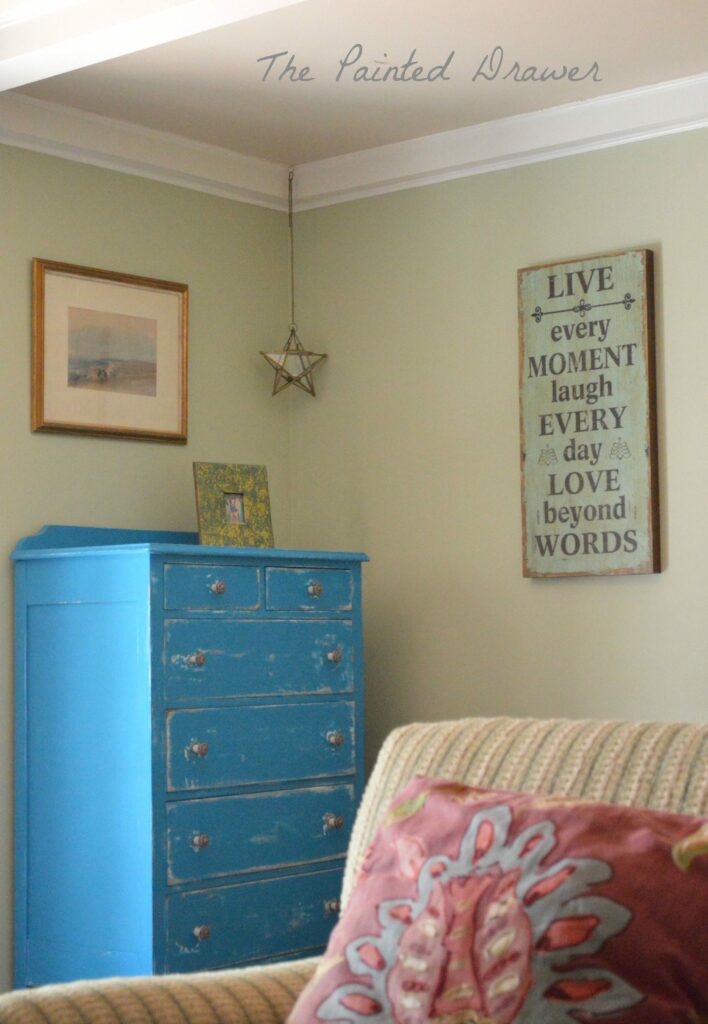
(478, 906)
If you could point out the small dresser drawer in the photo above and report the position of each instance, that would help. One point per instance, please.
(309, 590)
(201, 588)
(253, 921)
(216, 747)
(206, 838)
(241, 658)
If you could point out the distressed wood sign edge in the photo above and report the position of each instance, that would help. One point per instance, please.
(652, 563)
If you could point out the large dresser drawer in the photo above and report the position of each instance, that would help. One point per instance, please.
(234, 746)
(206, 837)
(252, 921)
(309, 590)
(212, 587)
(242, 658)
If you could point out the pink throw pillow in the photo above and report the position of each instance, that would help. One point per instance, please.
(477, 906)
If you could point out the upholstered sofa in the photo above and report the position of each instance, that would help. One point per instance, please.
(660, 766)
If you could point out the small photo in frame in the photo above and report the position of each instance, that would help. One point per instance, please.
(109, 353)
(233, 505)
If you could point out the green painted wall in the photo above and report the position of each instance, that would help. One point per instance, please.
(411, 450)
(234, 259)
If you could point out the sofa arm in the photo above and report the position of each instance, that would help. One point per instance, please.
(252, 995)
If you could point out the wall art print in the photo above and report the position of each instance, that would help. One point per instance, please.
(588, 416)
(109, 353)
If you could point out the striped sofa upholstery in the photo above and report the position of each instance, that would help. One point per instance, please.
(649, 765)
(638, 764)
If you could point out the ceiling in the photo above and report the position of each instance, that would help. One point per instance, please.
(207, 86)
(379, 95)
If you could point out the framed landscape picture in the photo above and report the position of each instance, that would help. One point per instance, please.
(109, 353)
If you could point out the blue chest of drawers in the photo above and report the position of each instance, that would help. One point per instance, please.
(189, 751)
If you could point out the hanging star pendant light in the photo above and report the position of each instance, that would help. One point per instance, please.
(293, 364)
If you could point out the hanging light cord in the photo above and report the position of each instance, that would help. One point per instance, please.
(293, 364)
(292, 250)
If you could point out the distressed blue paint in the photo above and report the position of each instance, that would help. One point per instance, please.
(285, 828)
(252, 744)
(191, 587)
(58, 541)
(103, 618)
(253, 658)
(251, 921)
(50, 538)
(309, 590)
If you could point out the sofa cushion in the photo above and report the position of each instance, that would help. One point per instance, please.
(489, 906)
(661, 765)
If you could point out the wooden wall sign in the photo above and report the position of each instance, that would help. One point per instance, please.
(588, 416)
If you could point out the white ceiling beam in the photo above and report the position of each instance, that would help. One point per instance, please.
(43, 38)
(27, 10)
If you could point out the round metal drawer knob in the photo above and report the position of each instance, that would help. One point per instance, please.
(218, 587)
(202, 932)
(333, 821)
(335, 738)
(315, 589)
(335, 655)
(332, 907)
(199, 749)
(197, 659)
(200, 841)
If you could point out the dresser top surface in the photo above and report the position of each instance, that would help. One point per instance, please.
(75, 541)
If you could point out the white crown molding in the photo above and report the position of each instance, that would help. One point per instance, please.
(599, 123)
(116, 145)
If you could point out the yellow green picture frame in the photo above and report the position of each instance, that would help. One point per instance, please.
(233, 505)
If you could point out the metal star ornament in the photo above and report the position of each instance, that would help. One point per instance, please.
(293, 364)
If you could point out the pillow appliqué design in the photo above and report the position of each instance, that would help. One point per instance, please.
(491, 936)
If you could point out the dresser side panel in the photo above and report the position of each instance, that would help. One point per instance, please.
(21, 787)
(88, 859)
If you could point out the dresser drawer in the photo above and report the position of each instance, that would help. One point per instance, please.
(309, 590)
(216, 747)
(206, 838)
(253, 921)
(212, 587)
(236, 657)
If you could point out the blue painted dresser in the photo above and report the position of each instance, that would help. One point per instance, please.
(189, 751)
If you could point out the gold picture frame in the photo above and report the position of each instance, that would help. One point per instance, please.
(109, 353)
(233, 505)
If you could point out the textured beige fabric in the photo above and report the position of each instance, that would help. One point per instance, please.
(262, 994)
(639, 764)
(644, 765)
